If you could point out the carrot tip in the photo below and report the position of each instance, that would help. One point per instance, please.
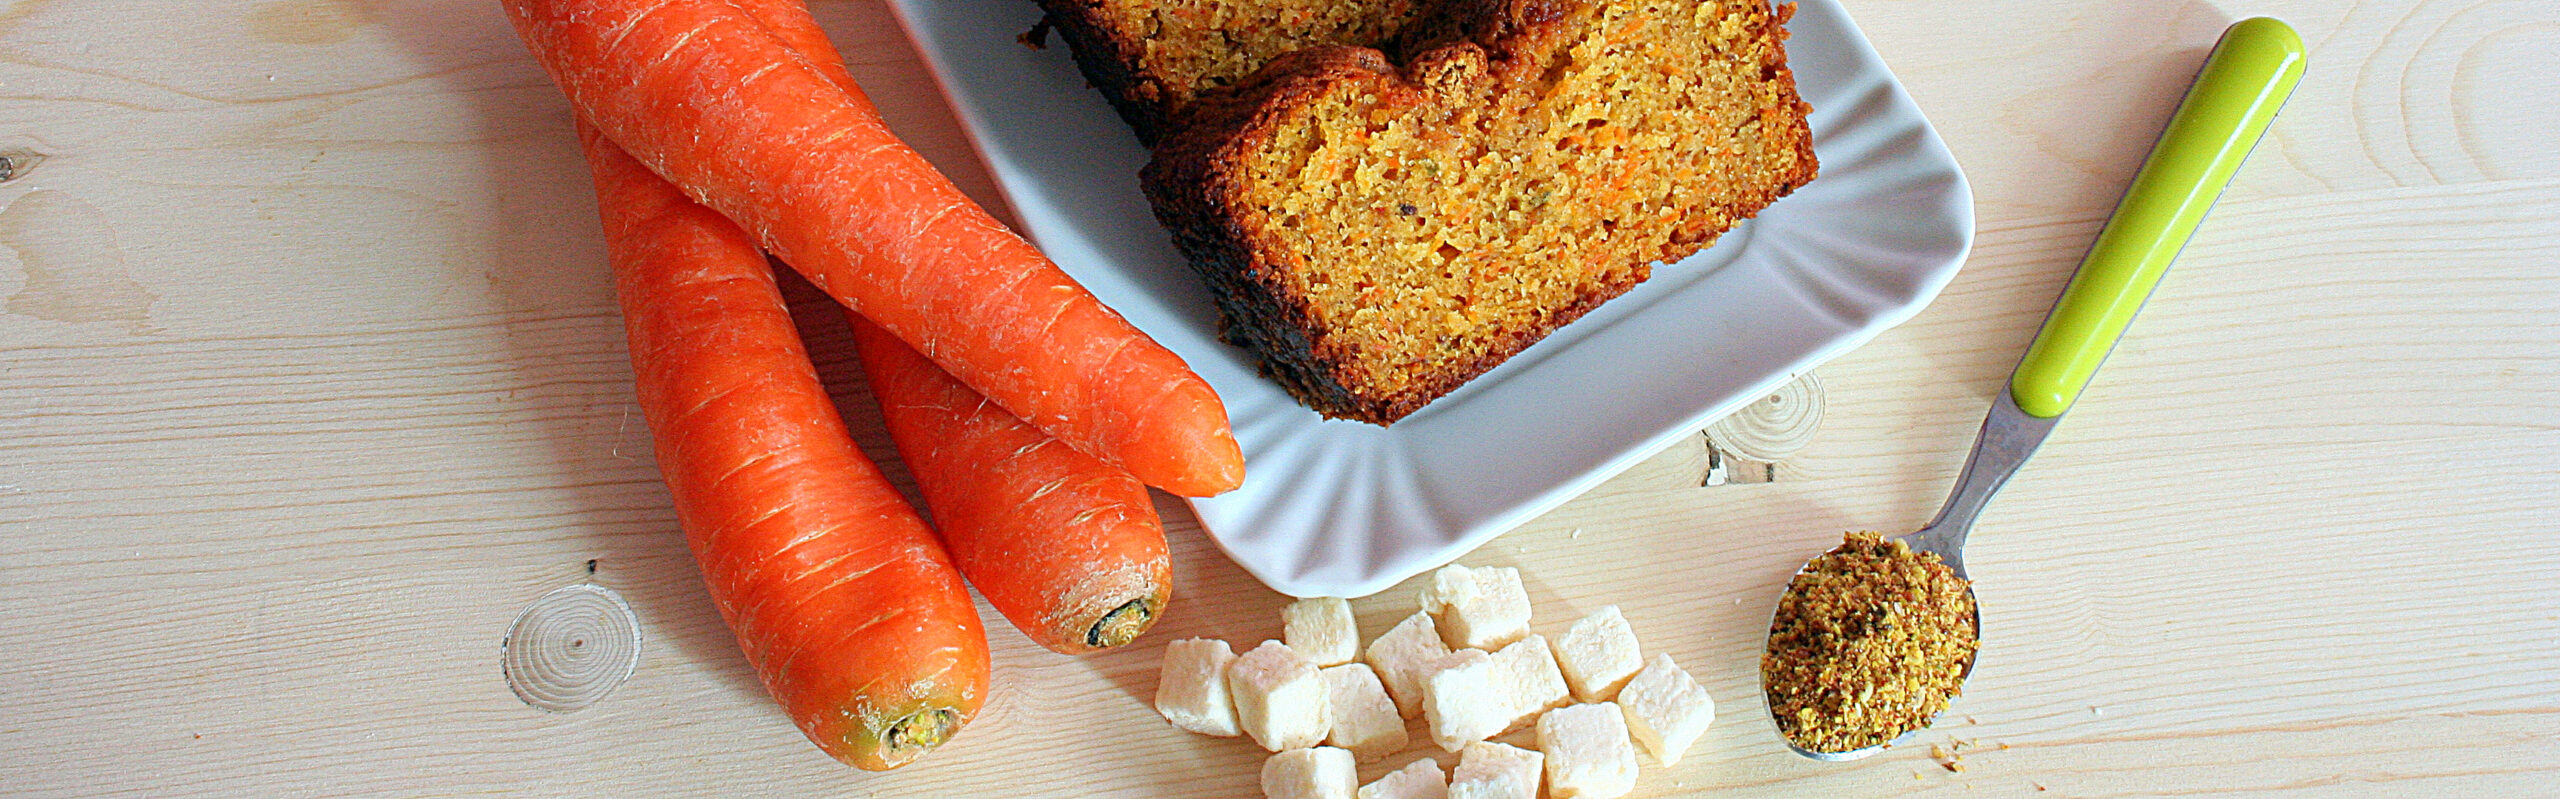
(1122, 625)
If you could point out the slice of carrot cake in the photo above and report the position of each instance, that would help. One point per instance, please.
(1382, 234)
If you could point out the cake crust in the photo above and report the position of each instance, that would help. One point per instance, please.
(1108, 55)
(1151, 58)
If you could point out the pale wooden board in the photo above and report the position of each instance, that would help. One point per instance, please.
(309, 378)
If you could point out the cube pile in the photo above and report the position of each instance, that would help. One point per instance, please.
(1470, 668)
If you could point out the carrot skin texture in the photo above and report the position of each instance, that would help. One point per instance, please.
(874, 678)
(840, 596)
(1067, 547)
(724, 108)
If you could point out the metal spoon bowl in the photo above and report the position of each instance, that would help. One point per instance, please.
(2235, 97)
(2008, 436)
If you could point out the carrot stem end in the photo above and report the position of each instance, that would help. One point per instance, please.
(1122, 625)
(918, 733)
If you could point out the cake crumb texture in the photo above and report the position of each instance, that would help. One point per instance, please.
(1380, 234)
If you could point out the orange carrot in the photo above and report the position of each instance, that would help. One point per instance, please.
(789, 21)
(1067, 547)
(849, 610)
(721, 106)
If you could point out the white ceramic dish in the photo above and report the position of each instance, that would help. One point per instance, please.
(1333, 508)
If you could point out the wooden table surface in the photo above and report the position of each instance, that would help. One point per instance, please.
(310, 378)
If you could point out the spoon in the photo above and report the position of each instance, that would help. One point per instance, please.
(2246, 79)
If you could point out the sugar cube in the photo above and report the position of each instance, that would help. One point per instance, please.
(1321, 629)
(1420, 779)
(1459, 702)
(1480, 608)
(1279, 697)
(1364, 719)
(1191, 691)
(1319, 773)
(1599, 654)
(1587, 751)
(1525, 676)
(1496, 771)
(1402, 658)
(1665, 709)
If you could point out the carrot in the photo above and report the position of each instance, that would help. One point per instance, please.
(1067, 547)
(722, 107)
(849, 610)
(789, 21)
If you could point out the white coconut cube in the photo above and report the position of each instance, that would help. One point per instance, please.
(1599, 654)
(1420, 779)
(1496, 771)
(1321, 629)
(1319, 773)
(1191, 691)
(1588, 752)
(1665, 709)
(1528, 680)
(1403, 658)
(1364, 719)
(1279, 697)
(1479, 608)
(1459, 702)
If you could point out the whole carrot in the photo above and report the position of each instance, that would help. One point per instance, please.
(849, 610)
(1067, 547)
(722, 107)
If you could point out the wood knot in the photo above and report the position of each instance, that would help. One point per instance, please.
(571, 647)
(16, 162)
(1745, 446)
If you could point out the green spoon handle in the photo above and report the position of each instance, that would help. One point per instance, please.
(2247, 78)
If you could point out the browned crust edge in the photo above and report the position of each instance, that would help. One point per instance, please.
(1191, 182)
(1107, 60)
(1193, 186)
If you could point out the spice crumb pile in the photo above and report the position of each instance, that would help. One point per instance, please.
(1870, 642)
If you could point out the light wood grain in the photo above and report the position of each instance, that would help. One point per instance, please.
(310, 378)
